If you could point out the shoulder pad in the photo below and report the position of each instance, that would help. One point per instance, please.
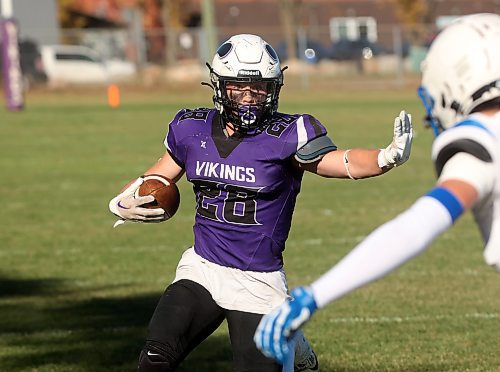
(315, 149)
(468, 136)
(473, 123)
(466, 145)
(308, 128)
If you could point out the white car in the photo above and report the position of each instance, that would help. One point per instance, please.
(82, 65)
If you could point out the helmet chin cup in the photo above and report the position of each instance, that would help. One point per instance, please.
(248, 114)
(245, 118)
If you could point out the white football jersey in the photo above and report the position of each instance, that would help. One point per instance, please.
(478, 135)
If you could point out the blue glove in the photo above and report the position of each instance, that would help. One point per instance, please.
(276, 328)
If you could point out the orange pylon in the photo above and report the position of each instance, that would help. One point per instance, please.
(113, 96)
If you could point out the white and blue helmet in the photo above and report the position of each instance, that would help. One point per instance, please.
(461, 72)
(246, 58)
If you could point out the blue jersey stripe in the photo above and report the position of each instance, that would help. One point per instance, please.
(449, 201)
(473, 123)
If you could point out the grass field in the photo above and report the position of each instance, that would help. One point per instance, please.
(76, 295)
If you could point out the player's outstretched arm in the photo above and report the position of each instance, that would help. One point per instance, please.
(363, 163)
(385, 249)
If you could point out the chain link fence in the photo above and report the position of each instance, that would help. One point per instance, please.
(389, 51)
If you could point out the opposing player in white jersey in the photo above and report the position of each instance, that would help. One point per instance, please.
(461, 94)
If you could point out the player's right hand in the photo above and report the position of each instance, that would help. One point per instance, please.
(126, 206)
(276, 328)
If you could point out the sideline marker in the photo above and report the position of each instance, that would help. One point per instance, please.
(113, 96)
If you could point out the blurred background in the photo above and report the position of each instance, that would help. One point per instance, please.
(90, 86)
(159, 41)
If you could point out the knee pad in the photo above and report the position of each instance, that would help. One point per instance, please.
(154, 358)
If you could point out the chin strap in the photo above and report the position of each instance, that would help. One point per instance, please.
(204, 83)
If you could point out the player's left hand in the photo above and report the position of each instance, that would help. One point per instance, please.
(276, 328)
(399, 150)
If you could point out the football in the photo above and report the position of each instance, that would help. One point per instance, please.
(165, 192)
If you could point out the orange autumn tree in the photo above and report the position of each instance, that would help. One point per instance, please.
(414, 14)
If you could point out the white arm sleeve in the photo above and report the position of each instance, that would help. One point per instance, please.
(388, 247)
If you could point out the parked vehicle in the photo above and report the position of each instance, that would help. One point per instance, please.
(313, 51)
(352, 50)
(82, 65)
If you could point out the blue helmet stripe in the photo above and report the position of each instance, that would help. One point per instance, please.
(429, 102)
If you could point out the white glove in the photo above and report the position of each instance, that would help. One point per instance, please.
(399, 150)
(126, 206)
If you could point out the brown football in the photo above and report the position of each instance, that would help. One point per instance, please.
(165, 192)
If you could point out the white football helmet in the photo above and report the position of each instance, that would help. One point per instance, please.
(245, 60)
(462, 70)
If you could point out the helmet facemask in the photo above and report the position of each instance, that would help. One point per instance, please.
(246, 77)
(245, 102)
(431, 120)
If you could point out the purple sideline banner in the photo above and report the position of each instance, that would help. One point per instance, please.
(11, 66)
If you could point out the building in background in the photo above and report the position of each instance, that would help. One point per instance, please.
(165, 32)
(37, 20)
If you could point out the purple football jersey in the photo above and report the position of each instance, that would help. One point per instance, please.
(245, 185)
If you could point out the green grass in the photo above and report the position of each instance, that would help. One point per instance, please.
(76, 295)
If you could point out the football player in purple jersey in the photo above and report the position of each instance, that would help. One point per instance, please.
(460, 91)
(245, 161)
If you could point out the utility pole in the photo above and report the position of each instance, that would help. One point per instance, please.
(170, 31)
(208, 23)
(11, 66)
(288, 16)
